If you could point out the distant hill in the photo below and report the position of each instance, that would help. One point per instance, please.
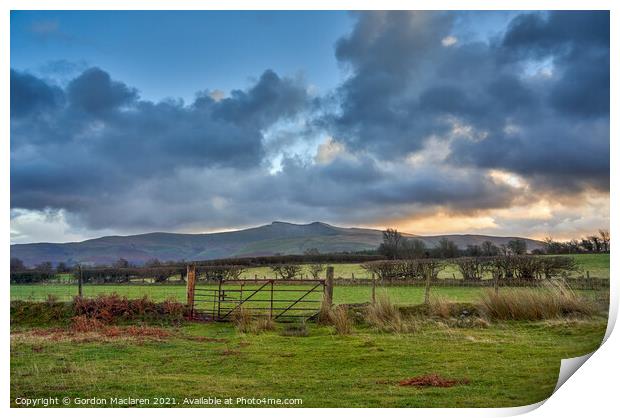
(275, 238)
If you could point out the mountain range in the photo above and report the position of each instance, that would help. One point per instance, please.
(275, 238)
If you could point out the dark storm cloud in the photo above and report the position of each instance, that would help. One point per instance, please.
(416, 125)
(94, 91)
(407, 86)
(31, 95)
(578, 42)
(102, 140)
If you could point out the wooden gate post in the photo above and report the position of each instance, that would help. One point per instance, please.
(427, 290)
(374, 286)
(329, 286)
(80, 280)
(191, 287)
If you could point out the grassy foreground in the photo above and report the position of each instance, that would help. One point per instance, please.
(507, 364)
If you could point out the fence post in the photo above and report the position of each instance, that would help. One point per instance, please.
(80, 280)
(374, 285)
(271, 301)
(329, 286)
(427, 290)
(191, 287)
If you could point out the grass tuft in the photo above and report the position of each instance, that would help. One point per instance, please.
(341, 320)
(385, 316)
(554, 300)
(440, 307)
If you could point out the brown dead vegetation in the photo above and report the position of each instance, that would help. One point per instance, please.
(85, 330)
(432, 380)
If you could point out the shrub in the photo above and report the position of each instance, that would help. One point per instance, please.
(548, 302)
(40, 313)
(221, 272)
(471, 268)
(340, 319)
(115, 309)
(286, 271)
(557, 266)
(31, 276)
(83, 323)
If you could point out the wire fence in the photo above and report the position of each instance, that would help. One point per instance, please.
(354, 287)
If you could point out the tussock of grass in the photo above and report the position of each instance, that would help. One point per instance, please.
(341, 320)
(242, 318)
(324, 315)
(246, 322)
(549, 302)
(264, 324)
(385, 316)
(440, 307)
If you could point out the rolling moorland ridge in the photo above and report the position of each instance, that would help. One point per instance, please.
(276, 238)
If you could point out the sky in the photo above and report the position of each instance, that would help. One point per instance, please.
(430, 122)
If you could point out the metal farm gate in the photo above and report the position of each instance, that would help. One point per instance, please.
(283, 300)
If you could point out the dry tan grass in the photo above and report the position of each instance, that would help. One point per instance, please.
(341, 320)
(264, 324)
(243, 320)
(439, 306)
(87, 334)
(554, 300)
(385, 316)
(248, 323)
(324, 316)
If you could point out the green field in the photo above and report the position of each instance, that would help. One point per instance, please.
(507, 364)
(404, 295)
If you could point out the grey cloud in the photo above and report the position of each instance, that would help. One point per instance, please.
(405, 86)
(94, 91)
(113, 160)
(31, 95)
(103, 141)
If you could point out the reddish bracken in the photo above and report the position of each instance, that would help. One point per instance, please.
(433, 380)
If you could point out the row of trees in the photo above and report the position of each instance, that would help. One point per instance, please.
(600, 243)
(162, 273)
(396, 246)
(309, 256)
(519, 267)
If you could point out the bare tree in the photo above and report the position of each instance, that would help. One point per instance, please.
(391, 243)
(605, 239)
(517, 247)
(121, 263)
(489, 249)
(153, 262)
(596, 243)
(62, 267)
(17, 264)
(286, 271)
(316, 269)
(412, 248)
(446, 248)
